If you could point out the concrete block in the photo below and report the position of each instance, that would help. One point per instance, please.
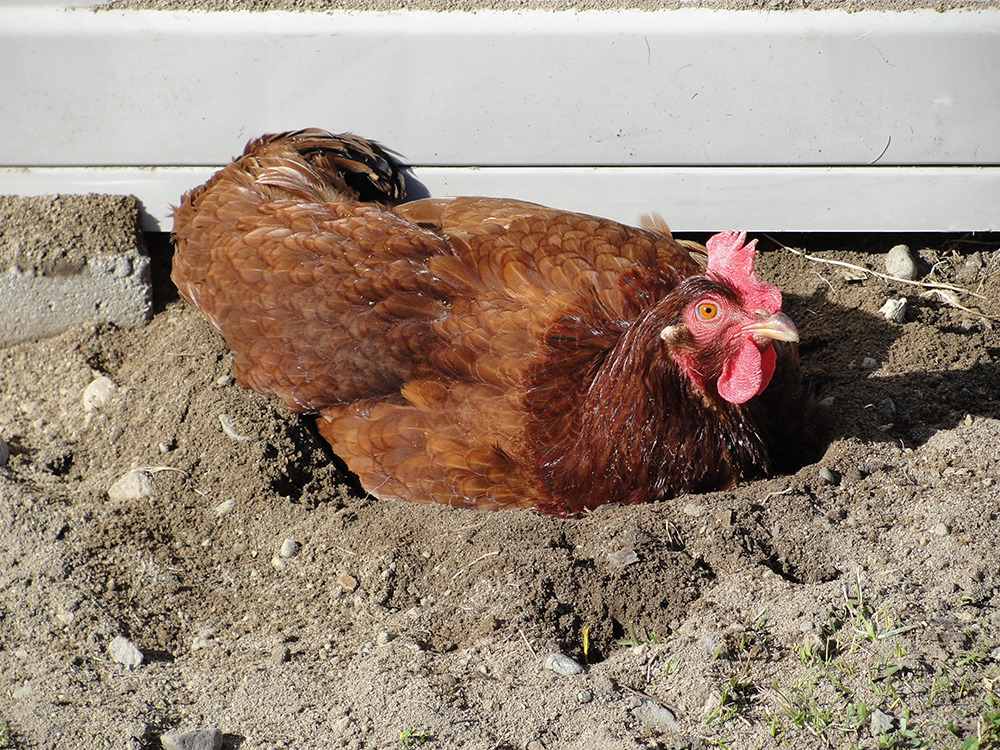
(69, 260)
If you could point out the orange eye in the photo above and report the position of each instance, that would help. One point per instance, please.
(707, 310)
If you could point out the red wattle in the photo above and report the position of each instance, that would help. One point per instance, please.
(743, 376)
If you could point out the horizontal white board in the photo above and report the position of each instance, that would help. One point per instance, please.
(880, 199)
(513, 88)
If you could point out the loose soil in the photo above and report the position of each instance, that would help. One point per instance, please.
(852, 604)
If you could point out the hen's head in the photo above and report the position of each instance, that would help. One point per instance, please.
(728, 323)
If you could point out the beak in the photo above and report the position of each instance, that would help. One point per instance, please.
(778, 327)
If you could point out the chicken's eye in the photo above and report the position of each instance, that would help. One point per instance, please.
(707, 310)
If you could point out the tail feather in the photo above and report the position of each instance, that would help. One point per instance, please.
(367, 168)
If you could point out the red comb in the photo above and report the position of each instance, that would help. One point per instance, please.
(731, 260)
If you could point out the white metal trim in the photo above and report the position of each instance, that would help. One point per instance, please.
(872, 199)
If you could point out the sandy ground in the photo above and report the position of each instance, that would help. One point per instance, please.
(852, 604)
(324, 6)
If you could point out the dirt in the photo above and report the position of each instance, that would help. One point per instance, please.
(796, 611)
(382, 6)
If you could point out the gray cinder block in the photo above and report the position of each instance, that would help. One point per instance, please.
(68, 260)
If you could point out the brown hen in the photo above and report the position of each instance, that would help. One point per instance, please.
(486, 352)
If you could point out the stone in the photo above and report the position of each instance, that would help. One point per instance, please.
(900, 263)
(123, 651)
(562, 664)
(197, 739)
(131, 486)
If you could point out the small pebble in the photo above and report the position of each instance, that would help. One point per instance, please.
(880, 722)
(347, 582)
(940, 530)
(131, 486)
(23, 692)
(622, 558)
(562, 664)
(281, 655)
(289, 548)
(585, 696)
(201, 643)
(662, 717)
(278, 562)
(229, 427)
(828, 401)
(692, 509)
(829, 477)
(899, 263)
(894, 310)
(123, 651)
(98, 393)
(224, 507)
(449, 680)
(869, 364)
(198, 739)
(384, 637)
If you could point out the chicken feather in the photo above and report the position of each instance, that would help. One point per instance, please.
(484, 352)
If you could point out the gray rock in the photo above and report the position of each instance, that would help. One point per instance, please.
(289, 548)
(197, 739)
(562, 664)
(657, 716)
(25, 691)
(880, 722)
(622, 558)
(132, 486)
(281, 655)
(894, 310)
(123, 651)
(828, 476)
(900, 263)
(98, 393)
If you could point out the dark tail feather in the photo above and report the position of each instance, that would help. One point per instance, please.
(366, 167)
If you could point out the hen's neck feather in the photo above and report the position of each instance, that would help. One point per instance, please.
(635, 429)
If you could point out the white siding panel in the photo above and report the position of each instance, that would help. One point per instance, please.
(676, 88)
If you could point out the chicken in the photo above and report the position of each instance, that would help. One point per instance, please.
(484, 352)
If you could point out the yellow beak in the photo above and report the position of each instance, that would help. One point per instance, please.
(778, 327)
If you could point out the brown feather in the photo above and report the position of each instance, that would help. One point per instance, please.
(476, 352)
